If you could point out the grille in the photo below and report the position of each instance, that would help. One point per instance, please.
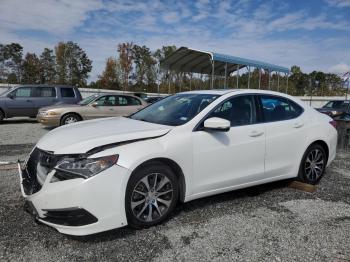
(40, 163)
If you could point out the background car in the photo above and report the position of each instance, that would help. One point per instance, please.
(153, 99)
(26, 100)
(95, 106)
(335, 108)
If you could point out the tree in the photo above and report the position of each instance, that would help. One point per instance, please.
(144, 63)
(31, 69)
(109, 78)
(165, 78)
(11, 61)
(48, 67)
(73, 65)
(125, 59)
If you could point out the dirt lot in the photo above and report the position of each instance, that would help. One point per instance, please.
(266, 223)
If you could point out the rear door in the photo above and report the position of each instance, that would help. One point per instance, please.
(44, 96)
(21, 102)
(285, 127)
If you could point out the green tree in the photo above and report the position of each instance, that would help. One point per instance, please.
(73, 64)
(165, 78)
(48, 67)
(11, 61)
(31, 69)
(144, 66)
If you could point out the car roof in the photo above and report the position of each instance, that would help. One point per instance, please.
(45, 85)
(240, 91)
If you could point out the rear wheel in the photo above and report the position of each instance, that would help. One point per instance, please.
(69, 118)
(2, 116)
(151, 195)
(313, 164)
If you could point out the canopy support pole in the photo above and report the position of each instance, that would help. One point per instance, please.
(225, 85)
(237, 83)
(287, 83)
(259, 78)
(278, 82)
(212, 73)
(269, 80)
(168, 82)
(248, 77)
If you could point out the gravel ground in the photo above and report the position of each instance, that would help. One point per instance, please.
(266, 223)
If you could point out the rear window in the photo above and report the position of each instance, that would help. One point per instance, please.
(67, 92)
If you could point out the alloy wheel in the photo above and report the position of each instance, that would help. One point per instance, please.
(70, 119)
(152, 197)
(314, 164)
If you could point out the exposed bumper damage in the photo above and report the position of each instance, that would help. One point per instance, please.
(76, 206)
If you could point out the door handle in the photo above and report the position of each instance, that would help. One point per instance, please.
(28, 100)
(298, 125)
(256, 133)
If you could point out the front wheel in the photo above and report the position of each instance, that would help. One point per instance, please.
(69, 119)
(313, 165)
(151, 195)
(2, 116)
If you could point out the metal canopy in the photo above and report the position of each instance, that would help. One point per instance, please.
(195, 61)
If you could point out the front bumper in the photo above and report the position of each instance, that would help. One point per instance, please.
(100, 197)
(48, 120)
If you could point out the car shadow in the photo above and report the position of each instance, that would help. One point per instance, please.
(191, 206)
(19, 121)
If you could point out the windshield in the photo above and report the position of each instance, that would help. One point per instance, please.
(175, 110)
(7, 91)
(88, 100)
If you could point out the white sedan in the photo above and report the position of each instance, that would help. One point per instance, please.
(102, 174)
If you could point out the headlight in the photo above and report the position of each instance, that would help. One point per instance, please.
(51, 113)
(87, 167)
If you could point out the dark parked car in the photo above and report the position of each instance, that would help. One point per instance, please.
(26, 100)
(335, 108)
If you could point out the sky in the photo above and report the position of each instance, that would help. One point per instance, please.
(314, 34)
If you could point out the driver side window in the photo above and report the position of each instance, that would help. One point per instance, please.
(239, 110)
(23, 92)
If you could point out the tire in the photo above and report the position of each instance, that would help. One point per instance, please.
(69, 118)
(2, 116)
(150, 205)
(313, 165)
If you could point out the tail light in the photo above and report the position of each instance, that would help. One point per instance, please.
(333, 123)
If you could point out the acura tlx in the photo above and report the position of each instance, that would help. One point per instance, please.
(97, 175)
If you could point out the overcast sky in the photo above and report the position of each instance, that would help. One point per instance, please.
(314, 34)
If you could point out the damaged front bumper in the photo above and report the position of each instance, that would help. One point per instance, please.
(76, 206)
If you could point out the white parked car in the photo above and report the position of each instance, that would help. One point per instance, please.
(101, 174)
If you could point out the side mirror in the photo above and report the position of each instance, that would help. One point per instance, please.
(11, 96)
(94, 104)
(217, 124)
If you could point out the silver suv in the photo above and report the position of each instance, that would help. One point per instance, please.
(26, 100)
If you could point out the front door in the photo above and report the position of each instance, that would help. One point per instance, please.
(20, 102)
(226, 159)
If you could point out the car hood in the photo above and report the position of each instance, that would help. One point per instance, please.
(79, 138)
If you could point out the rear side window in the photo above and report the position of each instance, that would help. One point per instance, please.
(132, 101)
(45, 91)
(238, 110)
(279, 108)
(67, 92)
(23, 92)
(128, 101)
